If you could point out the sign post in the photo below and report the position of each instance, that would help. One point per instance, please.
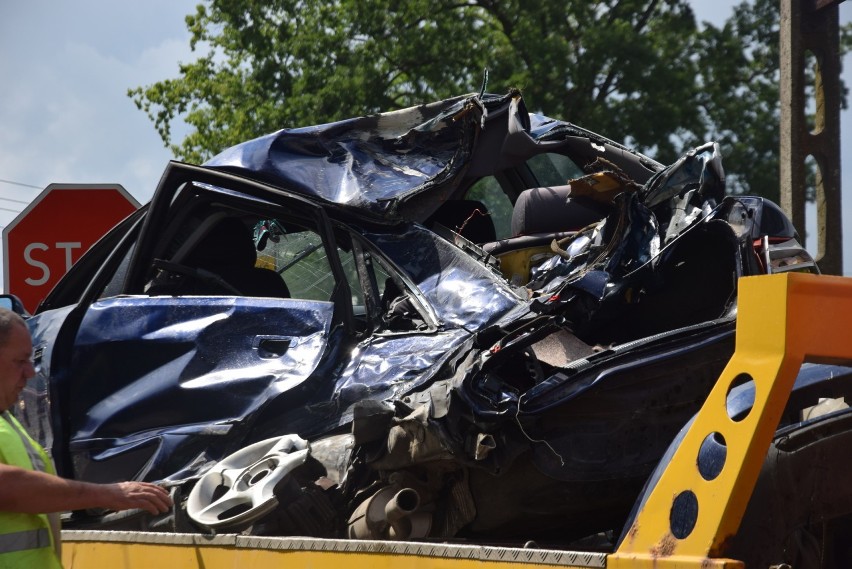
(54, 231)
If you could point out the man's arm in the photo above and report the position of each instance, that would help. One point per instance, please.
(32, 492)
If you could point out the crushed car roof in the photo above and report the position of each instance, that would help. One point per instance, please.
(377, 164)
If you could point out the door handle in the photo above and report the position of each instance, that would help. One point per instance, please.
(273, 347)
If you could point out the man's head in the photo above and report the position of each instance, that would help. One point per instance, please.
(16, 352)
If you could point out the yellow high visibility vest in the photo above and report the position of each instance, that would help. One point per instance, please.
(26, 540)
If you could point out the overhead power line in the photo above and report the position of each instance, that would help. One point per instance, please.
(25, 202)
(21, 184)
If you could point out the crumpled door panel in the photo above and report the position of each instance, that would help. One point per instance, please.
(167, 369)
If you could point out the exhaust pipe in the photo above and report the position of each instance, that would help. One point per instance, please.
(399, 510)
(390, 513)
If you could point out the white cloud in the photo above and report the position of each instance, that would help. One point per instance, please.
(64, 107)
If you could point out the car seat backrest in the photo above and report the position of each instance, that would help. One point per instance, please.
(228, 250)
(552, 209)
(227, 246)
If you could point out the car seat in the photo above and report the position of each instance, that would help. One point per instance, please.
(228, 251)
(539, 216)
(552, 210)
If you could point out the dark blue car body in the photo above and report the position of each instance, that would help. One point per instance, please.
(559, 394)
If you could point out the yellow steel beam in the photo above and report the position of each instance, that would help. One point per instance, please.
(783, 321)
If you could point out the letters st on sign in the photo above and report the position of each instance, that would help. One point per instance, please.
(53, 232)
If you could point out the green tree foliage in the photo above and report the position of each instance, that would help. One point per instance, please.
(638, 71)
(738, 95)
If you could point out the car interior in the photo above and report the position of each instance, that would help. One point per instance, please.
(546, 200)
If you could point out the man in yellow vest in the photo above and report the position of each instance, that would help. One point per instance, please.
(31, 495)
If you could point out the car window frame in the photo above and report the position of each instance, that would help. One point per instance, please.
(181, 184)
(365, 254)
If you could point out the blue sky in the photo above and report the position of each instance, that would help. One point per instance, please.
(65, 116)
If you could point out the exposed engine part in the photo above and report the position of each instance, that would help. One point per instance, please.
(333, 453)
(390, 513)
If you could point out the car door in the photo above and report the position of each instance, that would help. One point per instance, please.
(140, 381)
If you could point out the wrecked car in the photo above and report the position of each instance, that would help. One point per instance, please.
(459, 320)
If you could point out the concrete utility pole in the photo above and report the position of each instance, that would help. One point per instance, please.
(812, 26)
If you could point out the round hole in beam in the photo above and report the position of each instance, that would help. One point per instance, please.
(740, 398)
(712, 456)
(684, 514)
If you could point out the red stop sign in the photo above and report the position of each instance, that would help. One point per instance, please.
(42, 243)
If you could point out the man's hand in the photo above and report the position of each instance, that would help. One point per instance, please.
(32, 492)
(144, 495)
